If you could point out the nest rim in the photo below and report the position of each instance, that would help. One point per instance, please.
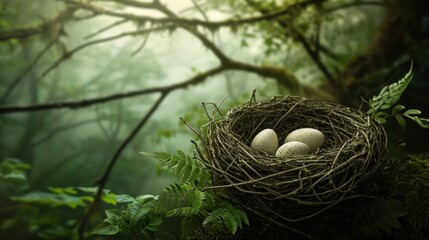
(353, 152)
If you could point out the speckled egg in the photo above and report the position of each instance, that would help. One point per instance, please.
(266, 141)
(313, 138)
(292, 148)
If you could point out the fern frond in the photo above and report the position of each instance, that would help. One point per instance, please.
(186, 168)
(229, 216)
(380, 216)
(180, 200)
(389, 95)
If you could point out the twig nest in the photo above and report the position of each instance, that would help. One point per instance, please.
(299, 186)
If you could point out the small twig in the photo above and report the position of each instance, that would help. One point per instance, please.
(178, 20)
(200, 10)
(145, 39)
(192, 129)
(70, 53)
(101, 183)
(105, 28)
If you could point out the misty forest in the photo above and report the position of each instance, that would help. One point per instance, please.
(209, 119)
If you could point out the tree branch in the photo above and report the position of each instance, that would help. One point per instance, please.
(354, 4)
(101, 183)
(68, 54)
(177, 20)
(88, 102)
(106, 28)
(281, 75)
(22, 33)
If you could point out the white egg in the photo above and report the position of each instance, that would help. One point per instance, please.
(266, 141)
(310, 136)
(293, 148)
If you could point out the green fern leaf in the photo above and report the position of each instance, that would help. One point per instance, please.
(231, 217)
(183, 166)
(381, 216)
(389, 95)
(180, 200)
(136, 211)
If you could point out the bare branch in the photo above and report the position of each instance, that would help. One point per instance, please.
(101, 183)
(106, 28)
(354, 4)
(88, 102)
(200, 10)
(281, 75)
(145, 39)
(178, 20)
(70, 53)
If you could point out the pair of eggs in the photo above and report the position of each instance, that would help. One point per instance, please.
(299, 142)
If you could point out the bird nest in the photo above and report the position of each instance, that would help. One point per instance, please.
(298, 187)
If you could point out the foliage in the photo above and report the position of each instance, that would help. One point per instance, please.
(381, 215)
(136, 220)
(227, 215)
(13, 179)
(71, 197)
(404, 210)
(180, 200)
(382, 106)
(187, 200)
(406, 176)
(39, 212)
(186, 168)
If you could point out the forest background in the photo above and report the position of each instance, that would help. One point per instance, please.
(87, 85)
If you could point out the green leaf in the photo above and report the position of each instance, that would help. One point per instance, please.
(13, 179)
(13, 183)
(422, 122)
(381, 214)
(88, 189)
(136, 211)
(109, 198)
(396, 208)
(180, 200)
(105, 228)
(401, 121)
(67, 190)
(183, 166)
(124, 198)
(397, 108)
(412, 112)
(145, 198)
(149, 230)
(389, 95)
(51, 199)
(229, 217)
(113, 214)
